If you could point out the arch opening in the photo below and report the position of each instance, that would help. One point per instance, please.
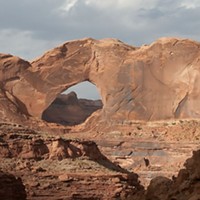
(74, 105)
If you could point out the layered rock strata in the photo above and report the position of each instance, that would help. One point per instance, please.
(56, 168)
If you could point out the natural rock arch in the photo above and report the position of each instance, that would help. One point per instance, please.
(154, 82)
(68, 65)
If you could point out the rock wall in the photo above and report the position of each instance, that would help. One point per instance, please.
(184, 187)
(154, 82)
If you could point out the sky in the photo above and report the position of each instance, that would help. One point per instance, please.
(28, 28)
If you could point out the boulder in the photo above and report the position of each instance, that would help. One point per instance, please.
(11, 188)
(185, 186)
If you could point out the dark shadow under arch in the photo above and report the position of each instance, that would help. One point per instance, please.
(74, 106)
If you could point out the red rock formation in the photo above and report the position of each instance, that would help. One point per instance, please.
(11, 73)
(56, 168)
(67, 109)
(33, 147)
(154, 82)
(184, 187)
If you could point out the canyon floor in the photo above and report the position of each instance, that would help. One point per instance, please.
(116, 163)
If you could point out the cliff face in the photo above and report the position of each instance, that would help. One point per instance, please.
(154, 82)
(185, 186)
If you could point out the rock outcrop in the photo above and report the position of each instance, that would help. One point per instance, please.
(185, 186)
(154, 82)
(15, 142)
(11, 188)
(58, 168)
(67, 109)
(11, 73)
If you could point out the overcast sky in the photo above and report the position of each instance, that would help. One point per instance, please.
(30, 27)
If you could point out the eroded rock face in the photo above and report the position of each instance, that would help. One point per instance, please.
(154, 82)
(29, 146)
(185, 186)
(52, 167)
(11, 73)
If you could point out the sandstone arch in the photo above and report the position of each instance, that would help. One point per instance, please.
(154, 82)
(67, 65)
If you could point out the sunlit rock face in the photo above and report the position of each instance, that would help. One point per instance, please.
(154, 82)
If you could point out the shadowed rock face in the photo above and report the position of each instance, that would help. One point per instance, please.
(67, 109)
(11, 187)
(185, 186)
(154, 82)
